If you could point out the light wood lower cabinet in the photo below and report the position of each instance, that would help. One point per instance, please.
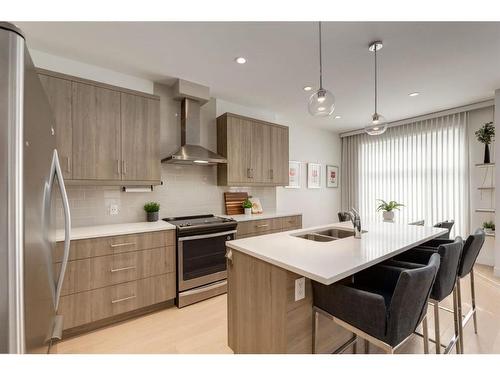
(92, 273)
(108, 277)
(260, 227)
(91, 306)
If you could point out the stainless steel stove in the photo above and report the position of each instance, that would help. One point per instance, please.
(201, 256)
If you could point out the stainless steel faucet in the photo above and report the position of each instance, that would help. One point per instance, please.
(356, 222)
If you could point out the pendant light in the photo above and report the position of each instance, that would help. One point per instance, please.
(378, 123)
(322, 102)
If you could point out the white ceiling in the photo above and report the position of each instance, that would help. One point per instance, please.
(450, 64)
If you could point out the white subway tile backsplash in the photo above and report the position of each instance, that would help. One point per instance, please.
(186, 190)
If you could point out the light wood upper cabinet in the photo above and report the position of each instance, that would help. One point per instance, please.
(58, 92)
(96, 133)
(256, 152)
(279, 155)
(105, 134)
(238, 150)
(140, 134)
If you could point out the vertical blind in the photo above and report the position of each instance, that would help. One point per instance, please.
(423, 165)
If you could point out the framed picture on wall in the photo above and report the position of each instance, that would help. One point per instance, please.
(313, 176)
(293, 175)
(332, 176)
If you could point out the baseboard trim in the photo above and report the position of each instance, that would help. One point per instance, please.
(496, 271)
(76, 331)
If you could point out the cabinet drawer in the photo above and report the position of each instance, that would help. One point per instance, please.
(92, 247)
(291, 222)
(81, 308)
(258, 226)
(92, 273)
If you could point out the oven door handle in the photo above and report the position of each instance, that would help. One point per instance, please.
(201, 236)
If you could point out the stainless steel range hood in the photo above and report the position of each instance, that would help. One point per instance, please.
(191, 152)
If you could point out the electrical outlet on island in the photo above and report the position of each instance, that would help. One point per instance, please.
(300, 288)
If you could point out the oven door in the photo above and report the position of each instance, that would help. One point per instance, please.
(201, 259)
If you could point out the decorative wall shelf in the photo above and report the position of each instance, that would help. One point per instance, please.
(483, 165)
(486, 187)
(491, 210)
(489, 234)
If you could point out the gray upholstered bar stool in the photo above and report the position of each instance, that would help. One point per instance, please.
(383, 304)
(344, 216)
(450, 254)
(448, 224)
(470, 252)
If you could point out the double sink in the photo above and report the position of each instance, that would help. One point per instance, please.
(325, 235)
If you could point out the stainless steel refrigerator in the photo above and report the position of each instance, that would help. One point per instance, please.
(30, 179)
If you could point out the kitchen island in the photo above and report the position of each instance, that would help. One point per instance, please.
(269, 280)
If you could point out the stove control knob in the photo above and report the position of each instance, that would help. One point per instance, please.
(229, 238)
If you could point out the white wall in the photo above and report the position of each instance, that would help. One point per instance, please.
(310, 144)
(481, 177)
(497, 178)
(87, 71)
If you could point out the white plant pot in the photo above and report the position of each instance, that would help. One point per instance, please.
(248, 211)
(388, 215)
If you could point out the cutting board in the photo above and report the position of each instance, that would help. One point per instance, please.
(234, 201)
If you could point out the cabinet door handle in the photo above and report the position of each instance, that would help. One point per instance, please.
(117, 167)
(122, 269)
(122, 244)
(271, 172)
(124, 167)
(249, 173)
(261, 225)
(68, 164)
(122, 299)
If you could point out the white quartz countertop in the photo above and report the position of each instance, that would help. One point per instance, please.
(328, 262)
(264, 215)
(79, 233)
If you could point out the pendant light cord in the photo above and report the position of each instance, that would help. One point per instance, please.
(320, 60)
(375, 50)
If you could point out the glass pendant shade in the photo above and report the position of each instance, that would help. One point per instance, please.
(377, 126)
(321, 103)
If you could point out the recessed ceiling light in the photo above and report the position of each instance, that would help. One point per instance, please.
(337, 117)
(414, 94)
(240, 60)
(307, 88)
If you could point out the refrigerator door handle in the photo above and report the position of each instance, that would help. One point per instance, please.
(56, 171)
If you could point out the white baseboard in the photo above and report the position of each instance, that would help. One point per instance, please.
(496, 271)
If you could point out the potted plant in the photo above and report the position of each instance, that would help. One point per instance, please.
(388, 208)
(247, 206)
(489, 226)
(486, 134)
(152, 209)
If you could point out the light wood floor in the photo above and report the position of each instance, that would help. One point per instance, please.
(201, 328)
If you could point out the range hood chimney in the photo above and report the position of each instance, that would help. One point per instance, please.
(192, 97)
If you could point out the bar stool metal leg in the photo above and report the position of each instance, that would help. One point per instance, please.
(355, 345)
(455, 320)
(426, 335)
(367, 347)
(473, 298)
(315, 317)
(437, 333)
(460, 317)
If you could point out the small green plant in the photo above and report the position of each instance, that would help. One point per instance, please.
(388, 206)
(486, 134)
(152, 207)
(489, 225)
(246, 203)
